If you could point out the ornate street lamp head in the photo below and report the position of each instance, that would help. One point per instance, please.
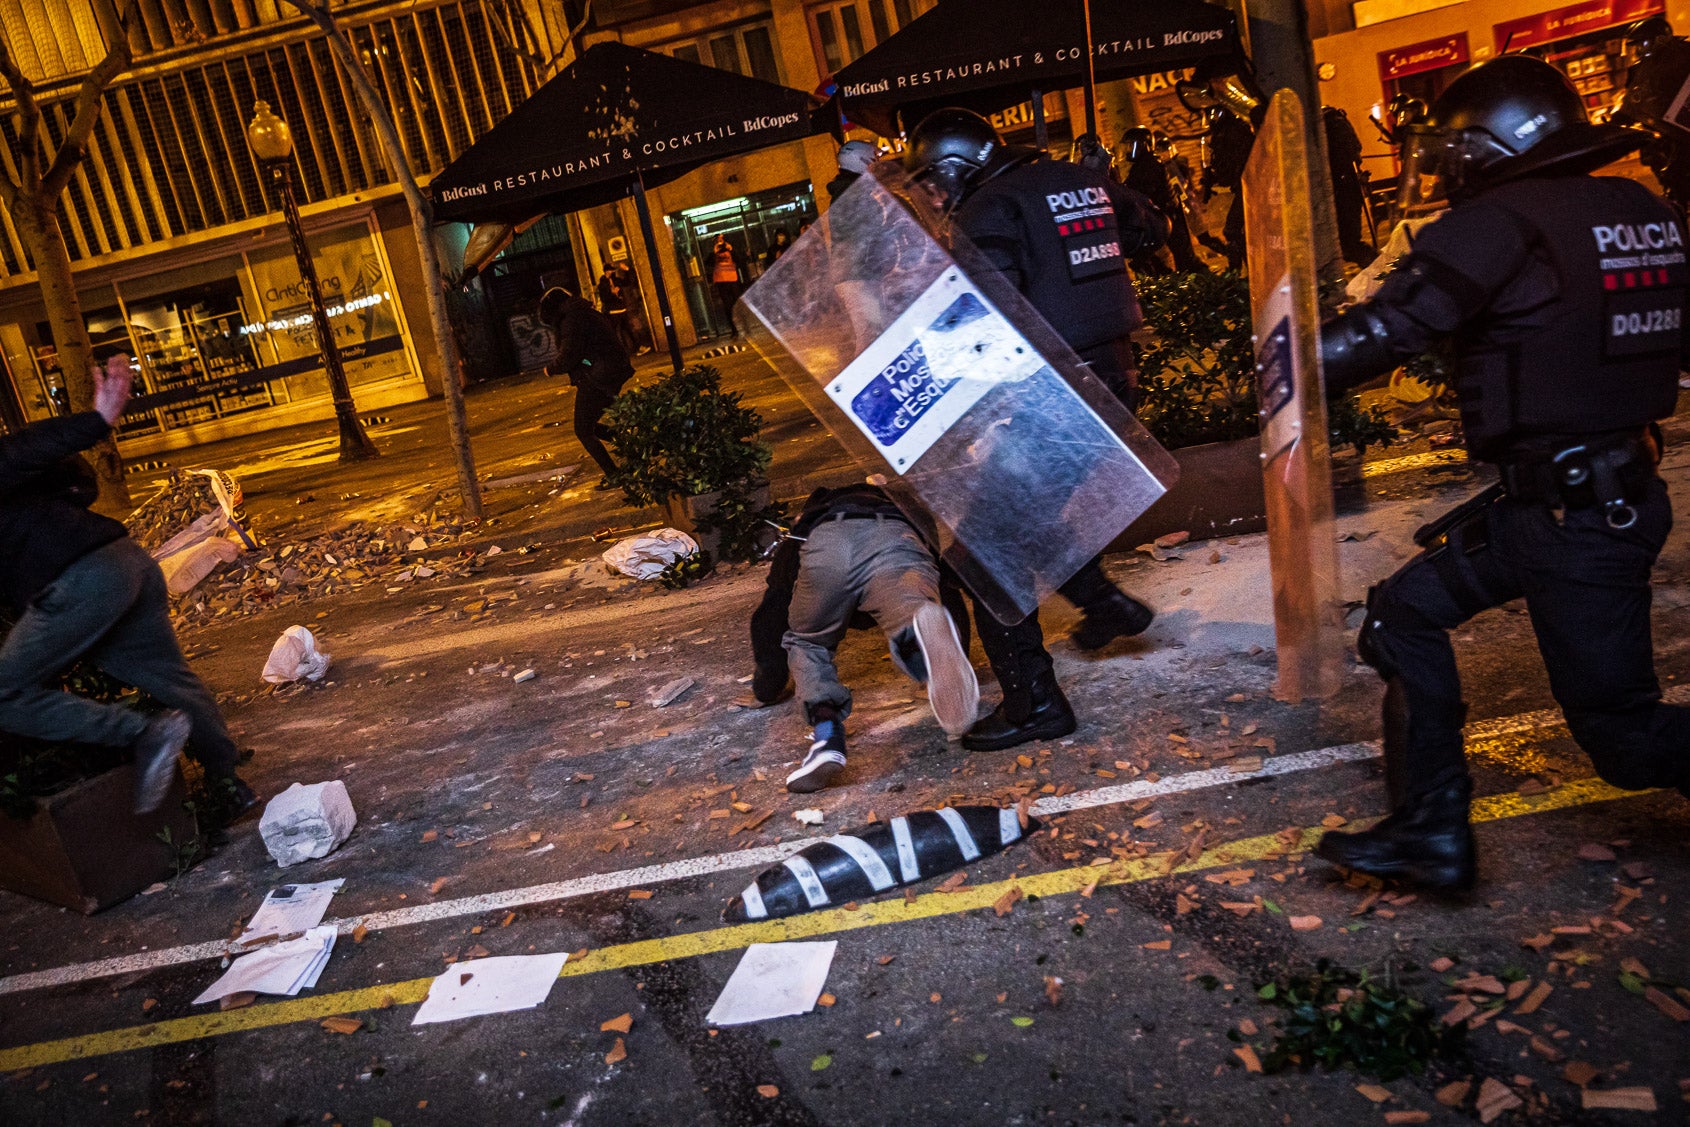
(269, 135)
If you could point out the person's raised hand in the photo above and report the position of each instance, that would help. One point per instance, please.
(111, 388)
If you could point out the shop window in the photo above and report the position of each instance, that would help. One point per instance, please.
(747, 50)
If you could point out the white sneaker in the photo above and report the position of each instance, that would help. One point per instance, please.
(952, 687)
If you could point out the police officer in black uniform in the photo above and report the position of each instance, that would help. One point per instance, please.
(1023, 211)
(1564, 296)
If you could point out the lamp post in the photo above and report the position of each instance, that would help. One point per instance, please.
(272, 143)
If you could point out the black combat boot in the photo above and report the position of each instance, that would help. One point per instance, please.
(1427, 840)
(1036, 711)
(1116, 615)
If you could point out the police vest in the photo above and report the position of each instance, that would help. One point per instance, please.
(1603, 353)
(1068, 243)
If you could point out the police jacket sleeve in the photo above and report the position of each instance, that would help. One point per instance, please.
(1457, 267)
(1142, 224)
(993, 224)
(42, 447)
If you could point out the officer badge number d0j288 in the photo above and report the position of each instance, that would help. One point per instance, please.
(871, 860)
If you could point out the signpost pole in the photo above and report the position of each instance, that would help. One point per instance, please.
(1041, 135)
(1091, 75)
(656, 260)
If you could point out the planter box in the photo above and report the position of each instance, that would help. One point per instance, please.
(684, 513)
(1219, 493)
(85, 847)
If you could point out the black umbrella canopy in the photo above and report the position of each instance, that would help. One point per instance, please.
(615, 112)
(990, 54)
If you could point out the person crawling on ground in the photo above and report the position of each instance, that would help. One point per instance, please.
(853, 553)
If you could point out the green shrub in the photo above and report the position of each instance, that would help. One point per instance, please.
(1198, 372)
(683, 436)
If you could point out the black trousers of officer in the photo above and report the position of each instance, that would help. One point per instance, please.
(1017, 653)
(1586, 587)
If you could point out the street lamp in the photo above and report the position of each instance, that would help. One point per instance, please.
(272, 143)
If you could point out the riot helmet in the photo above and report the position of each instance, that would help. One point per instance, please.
(855, 157)
(1511, 117)
(950, 150)
(1088, 152)
(1139, 143)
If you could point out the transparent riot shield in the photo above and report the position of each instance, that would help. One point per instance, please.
(1308, 617)
(947, 388)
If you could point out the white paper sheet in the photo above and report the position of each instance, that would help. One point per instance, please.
(283, 968)
(490, 986)
(289, 910)
(774, 980)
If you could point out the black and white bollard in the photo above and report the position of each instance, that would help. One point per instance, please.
(858, 865)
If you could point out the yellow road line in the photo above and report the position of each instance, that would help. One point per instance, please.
(692, 944)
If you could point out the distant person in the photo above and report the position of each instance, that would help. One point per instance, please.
(628, 284)
(852, 551)
(780, 246)
(591, 355)
(614, 305)
(1349, 186)
(1147, 175)
(854, 157)
(81, 589)
(727, 278)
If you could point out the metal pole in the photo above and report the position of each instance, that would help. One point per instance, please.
(355, 445)
(1091, 75)
(1041, 135)
(656, 260)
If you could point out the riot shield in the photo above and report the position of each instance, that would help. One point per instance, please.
(1308, 616)
(947, 388)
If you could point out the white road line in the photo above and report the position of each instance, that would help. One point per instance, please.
(762, 856)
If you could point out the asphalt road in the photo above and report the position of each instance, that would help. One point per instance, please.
(503, 818)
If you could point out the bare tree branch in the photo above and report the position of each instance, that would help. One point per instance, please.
(88, 102)
(29, 119)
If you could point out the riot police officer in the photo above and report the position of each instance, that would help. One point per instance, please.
(1564, 295)
(1009, 202)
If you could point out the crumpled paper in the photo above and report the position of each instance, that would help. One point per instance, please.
(645, 556)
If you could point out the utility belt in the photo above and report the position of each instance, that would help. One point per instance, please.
(864, 514)
(1612, 471)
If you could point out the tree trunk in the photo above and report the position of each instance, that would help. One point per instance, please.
(422, 218)
(38, 223)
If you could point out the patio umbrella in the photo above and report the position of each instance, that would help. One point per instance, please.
(988, 55)
(616, 121)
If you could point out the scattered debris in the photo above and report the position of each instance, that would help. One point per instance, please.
(671, 692)
(295, 657)
(490, 986)
(808, 817)
(774, 980)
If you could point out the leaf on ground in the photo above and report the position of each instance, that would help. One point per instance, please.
(1495, 1097)
(430, 835)
(1595, 851)
(1378, 1093)
(1245, 1053)
(439, 883)
(341, 1024)
(1305, 923)
(360, 933)
(1579, 1073)
(768, 1091)
(1619, 1099)
(1004, 903)
(639, 894)
(1408, 1117)
(1666, 1004)
(618, 1053)
(1053, 989)
(821, 1062)
(618, 1024)
(953, 882)
(1539, 994)
(1159, 945)
(1021, 1022)
(826, 1000)
(1453, 1094)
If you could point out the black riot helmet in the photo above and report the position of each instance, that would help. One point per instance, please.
(951, 150)
(1511, 117)
(1088, 152)
(1138, 143)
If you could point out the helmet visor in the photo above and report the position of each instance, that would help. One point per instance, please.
(947, 179)
(1428, 164)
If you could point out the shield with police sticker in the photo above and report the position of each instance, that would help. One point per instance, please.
(947, 388)
(1308, 615)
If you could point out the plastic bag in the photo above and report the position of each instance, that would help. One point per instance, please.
(306, 822)
(645, 556)
(186, 569)
(295, 657)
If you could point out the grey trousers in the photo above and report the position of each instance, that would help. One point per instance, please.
(111, 606)
(877, 565)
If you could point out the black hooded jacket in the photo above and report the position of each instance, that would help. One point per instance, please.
(45, 491)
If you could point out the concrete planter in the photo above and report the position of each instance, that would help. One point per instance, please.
(684, 513)
(1219, 493)
(85, 848)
